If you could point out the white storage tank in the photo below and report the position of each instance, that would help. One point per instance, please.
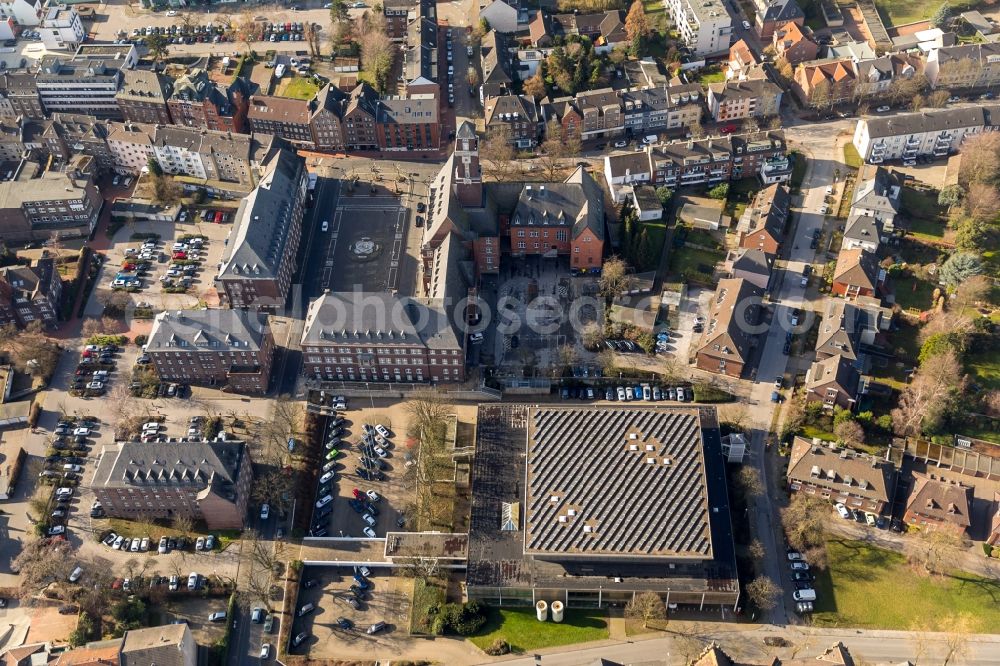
(542, 611)
(557, 611)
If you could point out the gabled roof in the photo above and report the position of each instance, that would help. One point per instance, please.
(577, 203)
(207, 330)
(933, 120)
(835, 370)
(879, 191)
(261, 228)
(506, 108)
(935, 497)
(841, 469)
(199, 465)
(725, 336)
(161, 646)
(858, 268)
(841, 328)
(29, 282)
(780, 10)
(754, 260)
(863, 228)
(279, 109)
(769, 211)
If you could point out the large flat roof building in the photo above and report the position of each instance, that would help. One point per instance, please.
(591, 505)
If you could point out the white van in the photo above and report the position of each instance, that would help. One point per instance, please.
(650, 139)
(804, 595)
(75, 576)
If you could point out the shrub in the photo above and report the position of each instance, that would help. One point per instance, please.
(102, 340)
(33, 414)
(462, 619)
(707, 393)
(140, 340)
(987, 550)
(497, 648)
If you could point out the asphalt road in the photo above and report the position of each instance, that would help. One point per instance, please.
(247, 637)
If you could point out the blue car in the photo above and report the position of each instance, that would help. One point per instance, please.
(637, 392)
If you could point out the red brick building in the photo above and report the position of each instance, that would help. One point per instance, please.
(727, 340)
(839, 475)
(408, 123)
(197, 101)
(938, 504)
(857, 274)
(561, 219)
(30, 293)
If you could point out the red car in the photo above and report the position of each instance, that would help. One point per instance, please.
(728, 129)
(128, 266)
(180, 255)
(358, 494)
(86, 354)
(218, 217)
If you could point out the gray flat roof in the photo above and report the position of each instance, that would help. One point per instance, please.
(616, 481)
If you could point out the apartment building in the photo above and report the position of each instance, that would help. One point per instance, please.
(227, 348)
(793, 45)
(964, 66)
(169, 645)
(877, 201)
(514, 115)
(381, 337)
(81, 84)
(197, 101)
(736, 100)
(68, 135)
(201, 153)
(561, 219)
(27, 13)
(823, 83)
(396, 13)
(704, 25)
(62, 29)
(770, 14)
(207, 481)
(590, 115)
(131, 146)
(20, 92)
(763, 222)
(408, 123)
(30, 293)
(716, 160)
(360, 117)
(143, 97)
(282, 117)
(876, 76)
(34, 203)
(841, 476)
(654, 109)
(725, 344)
(938, 504)
(604, 29)
(933, 132)
(259, 258)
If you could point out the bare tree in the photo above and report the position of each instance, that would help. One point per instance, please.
(975, 289)
(757, 550)
(647, 606)
(957, 638)
(40, 562)
(932, 550)
(764, 592)
(30, 350)
(245, 30)
(377, 49)
(497, 153)
(850, 432)
(804, 521)
(982, 201)
(614, 280)
(931, 393)
(980, 159)
(183, 524)
(749, 480)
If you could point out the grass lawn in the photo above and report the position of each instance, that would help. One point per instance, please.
(520, 628)
(710, 75)
(986, 368)
(851, 157)
(913, 292)
(300, 87)
(873, 588)
(900, 12)
(694, 265)
(427, 592)
(798, 171)
(926, 216)
(657, 231)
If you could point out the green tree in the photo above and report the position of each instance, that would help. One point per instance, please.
(974, 235)
(942, 17)
(950, 195)
(644, 256)
(720, 191)
(535, 86)
(664, 194)
(158, 46)
(959, 267)
(941, 343)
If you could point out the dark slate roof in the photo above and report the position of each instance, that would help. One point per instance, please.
(522, 105)
(161, 646)
(260, 231)
(210, 330)
(834, 370)
(935, 120)
(782, 11)
(576, 203)
(145, 85)
(841, 470)
(863, 228)
(626, 481)
(841, 328)
(754, 260)
(202, 464)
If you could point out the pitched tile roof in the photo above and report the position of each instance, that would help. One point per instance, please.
(841, 470)
(726, 334)
(857, 267)
(934, 497)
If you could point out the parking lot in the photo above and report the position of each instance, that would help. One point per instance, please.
(153, 273)
(387, 599)
(356, 502)
(364, 244)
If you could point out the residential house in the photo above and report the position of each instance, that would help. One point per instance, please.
(381, 337)
(857, 274)
(848, 328)
(591, 115)
(283, 117)
(541, 30)
(30, 293)
(646, 203)
(496, 66)
(561, 219)
(772, 14)
(753, 265)
(793, 45)
(743, 63)
(604, 29)
(705, 161)
(500, 14)
(408, 123)
(227, 348)
(736, 100)
(97, 653)
(167, 645)
(823, 83)
(35, 203)
(396, 13)
(12, 136)
(939, 504)
(859, 481)
(197, 101)
(359, 119)
(206, 480)
(705, 25)
(765, 219)
(726, 342)
(130, 145)
(259, 260)
(964, 66)
(514, 115)
(326, 119)
(68, 135)
(26, 655)
(833, 382)
(143, 97)
(873, 213)
(62, 29)
(934, 132)
(877, 76)
(420, 54)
